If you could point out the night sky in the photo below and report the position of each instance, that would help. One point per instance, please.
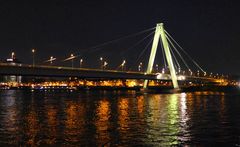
(208, 30)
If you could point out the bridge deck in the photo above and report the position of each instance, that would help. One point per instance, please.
(58, 71)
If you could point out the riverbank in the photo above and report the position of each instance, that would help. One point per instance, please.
(155, 89)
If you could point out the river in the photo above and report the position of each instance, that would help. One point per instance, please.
(118, 118)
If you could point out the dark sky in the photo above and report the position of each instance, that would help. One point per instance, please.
(208, 30)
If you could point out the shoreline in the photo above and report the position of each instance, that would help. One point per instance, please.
(155, 89)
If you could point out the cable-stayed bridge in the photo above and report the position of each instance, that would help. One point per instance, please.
(173, 57)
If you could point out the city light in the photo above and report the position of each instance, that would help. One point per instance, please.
(181, 78)
(163, 71)
(159, 76)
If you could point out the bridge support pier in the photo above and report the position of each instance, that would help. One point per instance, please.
(160, 33)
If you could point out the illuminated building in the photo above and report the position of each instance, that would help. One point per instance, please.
(12, 78)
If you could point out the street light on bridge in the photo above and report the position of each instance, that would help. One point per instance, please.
(123, 64)
(156, 67)
(72, 57)
(140, 66)
(52, 59)
(33, 57)
(191, 73)
(105, 64)
(13, 55)
(101, 63)
(179, 70)
(81, 62)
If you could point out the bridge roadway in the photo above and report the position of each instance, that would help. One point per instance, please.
(58, 71)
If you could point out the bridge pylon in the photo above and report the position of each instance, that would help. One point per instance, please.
(160, 33)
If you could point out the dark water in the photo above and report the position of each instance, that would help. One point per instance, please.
(118, 118)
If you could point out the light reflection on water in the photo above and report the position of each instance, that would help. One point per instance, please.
(102, 121)
(118, 118)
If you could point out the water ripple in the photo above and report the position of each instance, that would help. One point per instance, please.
(118, 119)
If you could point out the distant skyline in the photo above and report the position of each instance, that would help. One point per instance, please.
(208, 30)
